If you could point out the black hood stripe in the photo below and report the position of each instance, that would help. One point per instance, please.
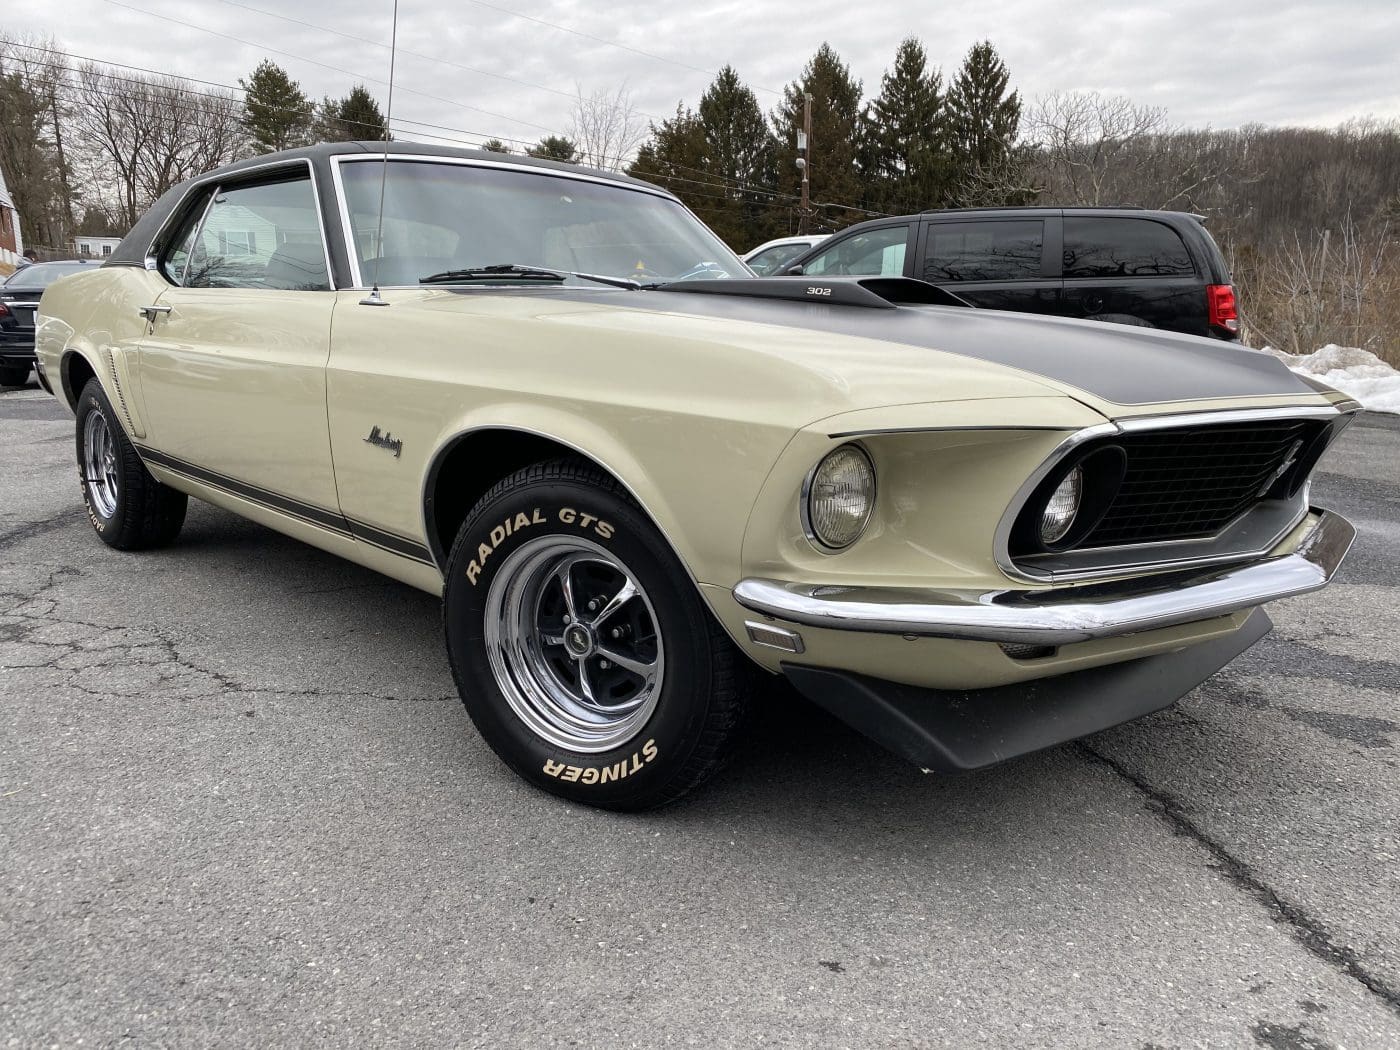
(1126, 366)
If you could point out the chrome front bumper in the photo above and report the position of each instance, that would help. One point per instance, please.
(1061, 615)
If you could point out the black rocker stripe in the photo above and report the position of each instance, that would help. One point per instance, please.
(326, 519)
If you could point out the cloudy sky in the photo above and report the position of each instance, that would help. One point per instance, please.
(478, 68)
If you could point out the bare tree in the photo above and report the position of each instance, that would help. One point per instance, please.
(33, 100)
(606, 127)
(1105, 149)
(140, 135)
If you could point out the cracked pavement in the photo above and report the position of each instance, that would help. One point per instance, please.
(240, 804)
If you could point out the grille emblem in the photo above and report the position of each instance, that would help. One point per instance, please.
(1284, 467)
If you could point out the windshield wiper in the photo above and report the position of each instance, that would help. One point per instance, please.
(517, 272)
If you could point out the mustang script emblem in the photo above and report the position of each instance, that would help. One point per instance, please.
(386, 441)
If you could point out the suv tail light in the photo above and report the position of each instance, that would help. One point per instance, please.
(1220, 305)
(4, 310)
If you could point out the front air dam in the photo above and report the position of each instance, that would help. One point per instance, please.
(955, 731)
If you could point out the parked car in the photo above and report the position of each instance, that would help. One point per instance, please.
(1152, 269)
(970, 534)
(19, 296)
(772, 255)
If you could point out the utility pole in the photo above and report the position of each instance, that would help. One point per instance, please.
(62, 162)
(804, 163)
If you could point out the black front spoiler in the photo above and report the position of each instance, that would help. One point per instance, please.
(954, 731)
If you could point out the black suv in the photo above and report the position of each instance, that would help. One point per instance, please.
(1157, 269)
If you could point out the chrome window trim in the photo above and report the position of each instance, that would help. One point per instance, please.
(218, 181)
(1002, 536)
(198, 233)
(343, 207)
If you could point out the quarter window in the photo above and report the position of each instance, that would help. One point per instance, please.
(1124, 248)
(878, 252)
(262, 236)
(983, 251)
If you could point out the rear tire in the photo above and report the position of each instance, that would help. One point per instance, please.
(14, 375)
(129, 509)
(581, 648)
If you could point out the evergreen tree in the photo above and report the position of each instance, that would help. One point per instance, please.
(674, 157)
(554, 147)
(356, 118)
(495, 146)
(834, 177)
(739, 149)
(904, 146)
(983, 119)
(277, 114)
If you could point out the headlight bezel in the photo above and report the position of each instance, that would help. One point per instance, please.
(809, 525)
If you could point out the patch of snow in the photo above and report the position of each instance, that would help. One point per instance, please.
(1355, 372)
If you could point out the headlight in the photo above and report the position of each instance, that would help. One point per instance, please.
(1063, 505)
(839, 498)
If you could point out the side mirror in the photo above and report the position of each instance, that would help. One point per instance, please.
(795, 270)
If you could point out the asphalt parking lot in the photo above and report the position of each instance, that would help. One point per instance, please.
(240, 803)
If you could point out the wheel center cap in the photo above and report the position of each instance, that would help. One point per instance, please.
(578, 639)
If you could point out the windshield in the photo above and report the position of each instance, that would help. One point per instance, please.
(440, 217)
(41, 275)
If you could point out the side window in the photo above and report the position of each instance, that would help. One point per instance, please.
(262, 236)
(876, 253)
(1124, 248)
(984, 251)
(774, 258)
(174, 260)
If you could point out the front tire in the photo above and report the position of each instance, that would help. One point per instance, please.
(581, 649)
(129, 509)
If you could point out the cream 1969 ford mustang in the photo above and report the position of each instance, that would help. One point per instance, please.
(637, 474)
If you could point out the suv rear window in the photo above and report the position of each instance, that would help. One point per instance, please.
(983, 251)
(1124, 248)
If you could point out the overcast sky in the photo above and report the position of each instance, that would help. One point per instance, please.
(1207, 62)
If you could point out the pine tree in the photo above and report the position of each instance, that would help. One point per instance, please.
(674, 157)
(904, 152)
(495, 146)
(277, 114)
(739, 149)
(356, 118)
(834, 177)
(983, 118)
(554, 147)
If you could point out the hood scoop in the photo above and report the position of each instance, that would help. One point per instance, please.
(876, 293)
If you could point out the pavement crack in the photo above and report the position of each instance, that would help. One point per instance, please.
(30, 529)
(1306, 929)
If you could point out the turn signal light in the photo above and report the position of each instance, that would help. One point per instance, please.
(1220, 303)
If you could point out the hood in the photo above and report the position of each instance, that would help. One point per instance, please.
(1112, 363)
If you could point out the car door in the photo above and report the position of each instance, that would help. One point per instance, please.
(233, 361)
(998, 263)
(1122, 268)
(879, 252)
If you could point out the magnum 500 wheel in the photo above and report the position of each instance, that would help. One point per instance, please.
(129, 509)
(581, 648)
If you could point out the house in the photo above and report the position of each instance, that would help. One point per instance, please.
(11, 243)
(91, 247)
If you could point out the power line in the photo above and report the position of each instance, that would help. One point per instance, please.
(708, 179)
(323, 65)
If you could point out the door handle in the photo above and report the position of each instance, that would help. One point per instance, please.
(149, 312)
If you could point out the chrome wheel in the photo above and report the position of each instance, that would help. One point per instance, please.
(573, 643)
(100, 465)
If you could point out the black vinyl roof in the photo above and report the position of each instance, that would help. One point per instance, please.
(133, 248)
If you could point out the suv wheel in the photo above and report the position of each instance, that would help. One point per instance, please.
(581, 648)
(14, 375)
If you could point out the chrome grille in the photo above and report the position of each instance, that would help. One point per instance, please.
(1191, 482)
